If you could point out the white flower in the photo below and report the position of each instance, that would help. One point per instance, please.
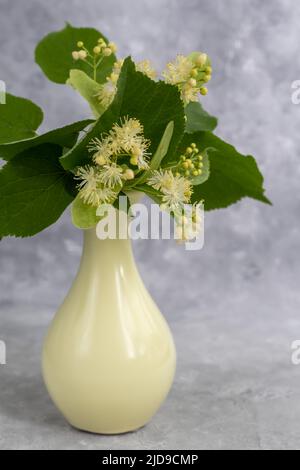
(128, 134)
(189, 74)
(109, 89)
(102, 150)
(176, 190)
(140, 156)
(88, 176)
(160, 179)
(111, 175)
(124, 139)
(146, 68)
(90, 189)
(179, 71)
(88, 184)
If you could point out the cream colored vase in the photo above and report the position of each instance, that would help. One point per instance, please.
(109, 357)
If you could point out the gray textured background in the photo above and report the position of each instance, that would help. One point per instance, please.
(233, 307)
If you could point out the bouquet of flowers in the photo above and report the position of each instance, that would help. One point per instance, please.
(146, 134)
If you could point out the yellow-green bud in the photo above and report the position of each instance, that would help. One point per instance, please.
(207, 78)
(75, 55)
(193, 145)
(203, 91)
(194, 73)
(208, 70)
(100, 160)
(97, 50)
(201, 60)
(82, 54)
(112, 47)
(187, 173)
(192, 82)
(189, 150)
(185, 164)
(134, 161)
(107, 51)
(80, 44)
(195, 173)
(128, 174)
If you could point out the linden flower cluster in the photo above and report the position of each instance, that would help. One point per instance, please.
(189, 74)
(109, 89)
(117, 157)
(176, 190)
(94, 58)
(191, 162)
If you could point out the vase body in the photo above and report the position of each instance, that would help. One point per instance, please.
(109, 356)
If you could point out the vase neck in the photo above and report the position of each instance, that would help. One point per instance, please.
(105, 253)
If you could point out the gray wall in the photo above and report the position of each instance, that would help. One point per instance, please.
(234, 305)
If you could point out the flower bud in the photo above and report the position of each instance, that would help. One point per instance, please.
(128, 174)
(203, 91)
(75, 55)
(97, 50)
(112, 46)
(134, 161)
(82, 54)
(100, 160)
(192, 82)
(80, 44)
(107, 51)
(201, 60)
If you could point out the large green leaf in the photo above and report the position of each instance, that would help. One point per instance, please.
(64, 136)
(232, 175)
(88, 89)
(198, 119)
(54, 53)
(34, 191)
(19, 119)
(154, 104)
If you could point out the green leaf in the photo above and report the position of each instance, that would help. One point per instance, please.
(19, 119)
(198, 119)
(232, 175)
(54, 54)
(88, 89)
(64, 136)
(83, 215)
(34, 191)
(160, 153)
(154, 104)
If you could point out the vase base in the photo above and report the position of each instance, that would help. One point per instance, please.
(107, 433)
